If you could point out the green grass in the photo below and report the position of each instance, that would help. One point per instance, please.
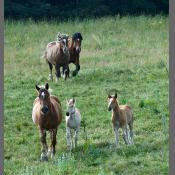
(129, 54)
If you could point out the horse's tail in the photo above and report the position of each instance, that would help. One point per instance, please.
(83, 124)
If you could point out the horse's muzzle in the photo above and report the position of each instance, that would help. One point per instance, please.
(78, 49)
(67, 113)
(109, 108)
(45, 109)
(65, 49)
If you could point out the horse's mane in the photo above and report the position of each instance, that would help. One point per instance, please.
(61, 36)
(77, 36)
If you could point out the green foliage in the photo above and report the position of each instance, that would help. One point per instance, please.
(69, 9)
(126, 54)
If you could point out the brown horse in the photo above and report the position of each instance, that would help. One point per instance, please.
(74, 44)
(121, 117)
(47, 115)
(57, 54)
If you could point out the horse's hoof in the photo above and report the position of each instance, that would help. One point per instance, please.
(74, 73)
(44, 157)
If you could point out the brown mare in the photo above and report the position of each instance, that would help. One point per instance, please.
(121, 117)
(57, 54)
(74, 44)
(47, 115)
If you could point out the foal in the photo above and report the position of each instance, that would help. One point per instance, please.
(47, 115)
(121, 117)
(73, 120)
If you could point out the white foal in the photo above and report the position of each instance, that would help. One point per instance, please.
(73, 120)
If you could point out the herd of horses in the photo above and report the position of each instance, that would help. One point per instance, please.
(47, 109)
(62, 52)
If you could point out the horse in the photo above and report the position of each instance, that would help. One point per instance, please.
(74, 45)
(73, 120)
(57, 54)
(121, 118)
(47, 115)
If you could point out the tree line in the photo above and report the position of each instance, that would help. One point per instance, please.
(70, 9)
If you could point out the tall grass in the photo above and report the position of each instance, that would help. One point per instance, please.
(129, 54)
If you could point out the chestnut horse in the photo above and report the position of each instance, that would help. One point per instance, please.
(47, 115)
(57, 54)
(121, 118)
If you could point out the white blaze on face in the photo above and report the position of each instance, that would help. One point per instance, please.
(43, 94)
(71, 103)
(110, 101)
(64, 40)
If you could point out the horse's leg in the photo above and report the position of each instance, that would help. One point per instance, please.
(131, 131)
(58, 74)
(44, 145)
(75, 72)
(54, 142)
(76, 136)
(51, 67)
(124, 129)
(128, 135)
(77, 64)
(68, 137)
(72, 135)
(116, 134)
(50, 150)
(66, 71)
(78, 67)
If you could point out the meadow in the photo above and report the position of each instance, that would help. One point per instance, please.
(129, 54)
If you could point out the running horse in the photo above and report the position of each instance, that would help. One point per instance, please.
(47, 115)
(57, 54)
(74, 46)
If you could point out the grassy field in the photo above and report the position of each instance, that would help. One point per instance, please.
(129, 54)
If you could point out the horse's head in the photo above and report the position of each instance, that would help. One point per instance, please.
(77, 38)
(112, 100)
(71, 106)
(43, 95)
(64, 44)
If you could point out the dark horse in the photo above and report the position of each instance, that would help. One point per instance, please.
(57, 54)
(74, 45)
(47, 115)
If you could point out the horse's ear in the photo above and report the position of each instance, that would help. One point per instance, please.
(37, 88)
(47, 86)
(81, 37)
(109, 96)
(115, 95)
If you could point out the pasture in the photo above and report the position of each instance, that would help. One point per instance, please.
(129, 54)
